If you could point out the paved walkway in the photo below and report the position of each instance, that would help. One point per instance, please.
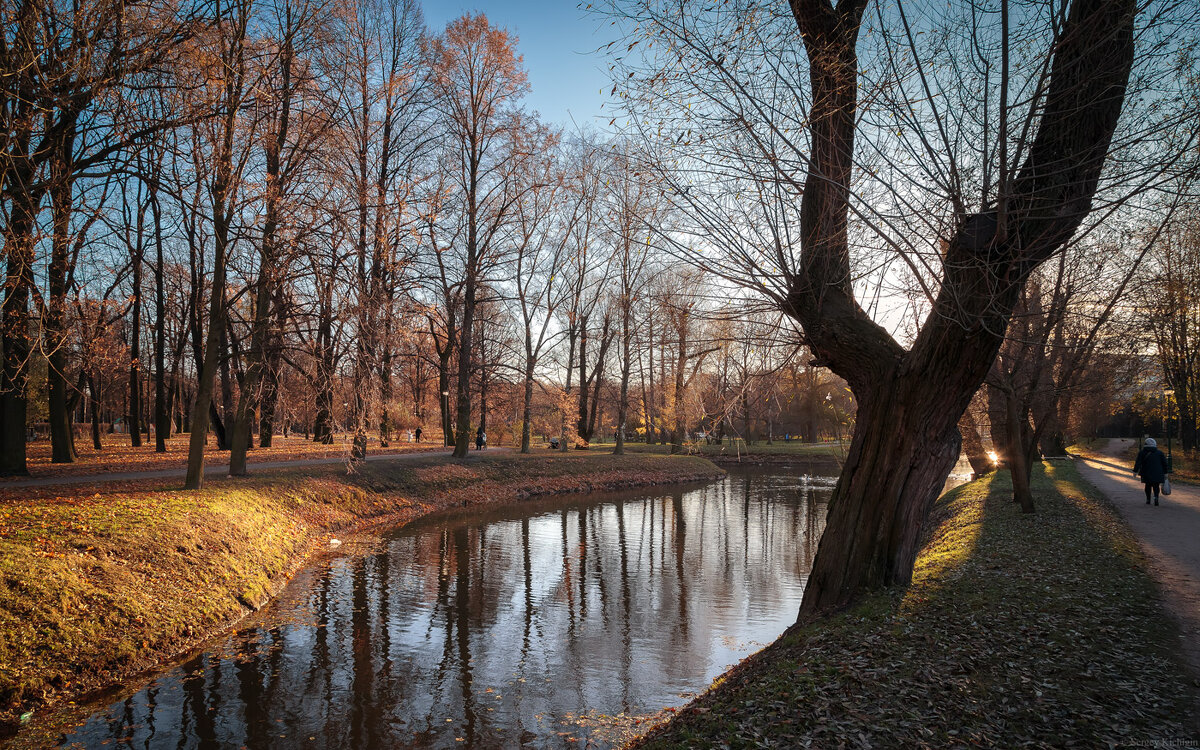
(216, 471)
(1170, 535)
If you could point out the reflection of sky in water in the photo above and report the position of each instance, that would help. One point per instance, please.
(488, 629)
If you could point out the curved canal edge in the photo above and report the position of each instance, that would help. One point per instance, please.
(101, 583)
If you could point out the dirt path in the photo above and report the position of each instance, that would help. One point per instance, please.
(215, 471)
(1170, 535)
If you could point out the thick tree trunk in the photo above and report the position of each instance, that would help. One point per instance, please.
(14, 375)
(444, 398)
(271, 375)
(94, 402)
(466, 345)
(135, 346)
(162, 407)
(527, 402)
(896, 467)
(1019, 467)
(62, 438)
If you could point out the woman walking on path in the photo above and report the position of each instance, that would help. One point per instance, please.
(1153, 467)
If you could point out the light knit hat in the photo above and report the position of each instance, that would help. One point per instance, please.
(1150, 443)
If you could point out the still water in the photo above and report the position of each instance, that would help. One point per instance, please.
(526, 626)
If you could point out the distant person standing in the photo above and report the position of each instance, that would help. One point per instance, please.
(418, 434)
(480, 439)
(1153, 467)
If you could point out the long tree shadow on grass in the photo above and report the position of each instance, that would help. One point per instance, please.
(1018, 631)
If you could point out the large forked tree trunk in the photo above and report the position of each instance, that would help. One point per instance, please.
(905, 436)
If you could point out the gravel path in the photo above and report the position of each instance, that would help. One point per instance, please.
(1170, 535)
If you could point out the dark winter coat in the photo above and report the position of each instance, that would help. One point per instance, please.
(1151, 464)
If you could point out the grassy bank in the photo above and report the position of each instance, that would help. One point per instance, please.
(100, 581)
(1018, 631)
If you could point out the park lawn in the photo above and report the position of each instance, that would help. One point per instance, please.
(100, 581)
(1018, 631)
(118, 455)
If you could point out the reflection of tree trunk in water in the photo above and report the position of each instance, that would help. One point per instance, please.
(593, 515)
(568, 578)
(462, 609)
(581, 520)
(194, 687)
(362, 724)
(527, 568)
(680, 551)
(626, 606)
(746, 519)
(322, 666)
(248, 667)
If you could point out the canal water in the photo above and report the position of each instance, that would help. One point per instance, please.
(527, 626)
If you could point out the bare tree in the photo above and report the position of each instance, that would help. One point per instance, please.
(542, 227)
(477, 82)
(231, 73)
(633, 204)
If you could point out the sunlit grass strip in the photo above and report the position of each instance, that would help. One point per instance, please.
(1018, 631)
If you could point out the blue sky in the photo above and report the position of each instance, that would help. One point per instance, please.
(558, 41)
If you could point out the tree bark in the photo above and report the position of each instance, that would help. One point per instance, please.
(162, 407)
(62, 438)
(135, 337)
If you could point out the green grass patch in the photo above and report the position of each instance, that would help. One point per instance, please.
(103, 580)
(1038, 630)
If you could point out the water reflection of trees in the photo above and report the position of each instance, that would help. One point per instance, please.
(499, 624)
